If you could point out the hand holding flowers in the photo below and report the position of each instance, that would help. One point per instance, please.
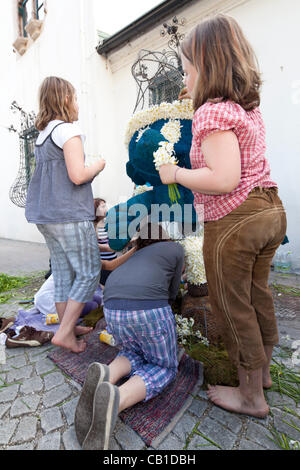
(164, 156)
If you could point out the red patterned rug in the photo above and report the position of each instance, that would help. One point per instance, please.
(154, 419)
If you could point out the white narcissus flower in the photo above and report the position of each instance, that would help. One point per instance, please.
(194, 264)
(164, 154)
(141, 189)
(171, 131)
(176, 110)
(185, 330)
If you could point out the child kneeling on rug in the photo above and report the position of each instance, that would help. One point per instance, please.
(138, 315)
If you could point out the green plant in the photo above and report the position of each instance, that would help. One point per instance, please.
(285, 381)
(294, 291)
(283, 441)
(11, 282)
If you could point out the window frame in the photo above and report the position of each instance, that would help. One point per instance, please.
(23, 13)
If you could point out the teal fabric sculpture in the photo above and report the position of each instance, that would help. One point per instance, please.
(160, 134)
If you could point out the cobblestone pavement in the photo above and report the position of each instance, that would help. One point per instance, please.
(38, 401)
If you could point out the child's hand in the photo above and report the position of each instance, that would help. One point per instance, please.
(167, 173)
(100, 164)
(183, 95)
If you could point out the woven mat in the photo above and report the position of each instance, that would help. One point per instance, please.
(154, 419)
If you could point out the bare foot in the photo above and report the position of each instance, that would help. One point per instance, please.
(82, 330)
(69, 342)
(266, 379)
(231, 399)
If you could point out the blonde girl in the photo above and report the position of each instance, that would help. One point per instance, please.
(244, 220)
(60, 202)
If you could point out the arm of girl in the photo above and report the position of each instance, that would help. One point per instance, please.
(115, 263)
(105, 248)
(222, 173)
(74, 158)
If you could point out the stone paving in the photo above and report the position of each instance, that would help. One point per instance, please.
(38, 401)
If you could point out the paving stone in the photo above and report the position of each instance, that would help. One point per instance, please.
(24, 405)
(57, 395)
(38, 353)
(281, 420)
(113, 445)
(43, 366)
(171, 442)
(128, 439)
(14, 352)
(50, 442)
(51, 420)
(199, 443)
(259, 434)
(69, 410)
(70, 440)
(53, 380)
(27, 446)
(7, 428)
(230, 420)
(19, 374)
(215, 432)
(34, 384)
(9, 393)
(16, 361)
(249, 445)
(275, 399)
(2, 378)
(198, 407)
(185, 426)
(3, 409)
(26, 429)
(202, 394)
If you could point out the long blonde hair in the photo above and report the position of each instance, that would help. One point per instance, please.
(225, 61)
(56, 97)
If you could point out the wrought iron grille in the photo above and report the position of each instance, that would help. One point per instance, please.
(159, 75)
(27, 138)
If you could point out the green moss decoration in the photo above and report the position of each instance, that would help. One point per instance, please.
(92, 318)
(218, 370)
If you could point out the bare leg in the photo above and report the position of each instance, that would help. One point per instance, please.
(79, 330)
(118, 368)
(65, 335)
(131, 392)
(266, 376)
(248, 398)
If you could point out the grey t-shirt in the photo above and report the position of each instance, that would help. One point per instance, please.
(151, 273)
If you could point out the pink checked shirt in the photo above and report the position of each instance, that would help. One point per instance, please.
(249, 128)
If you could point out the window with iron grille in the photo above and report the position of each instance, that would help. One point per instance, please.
(165, 87)
(29, 9)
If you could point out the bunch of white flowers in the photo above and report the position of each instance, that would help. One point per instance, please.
(176, 110)
(171, 131)
(185, 330)
(141, 189)
(194, 264)
(164, 154)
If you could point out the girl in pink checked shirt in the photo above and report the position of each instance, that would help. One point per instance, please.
(244, 219)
